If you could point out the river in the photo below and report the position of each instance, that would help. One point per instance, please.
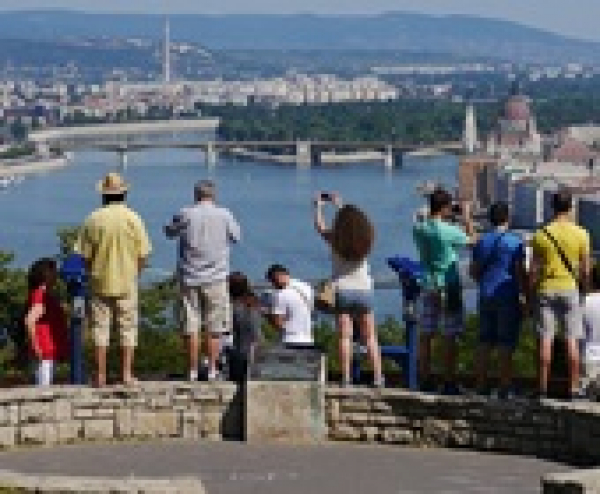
(272, 202)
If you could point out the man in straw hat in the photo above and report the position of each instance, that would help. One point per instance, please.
(115, 245)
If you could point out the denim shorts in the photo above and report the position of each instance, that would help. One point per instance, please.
(500, 323)
(434, 316)
(355, 302)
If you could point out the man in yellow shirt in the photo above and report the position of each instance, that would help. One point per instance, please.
(560, 271)
(115, 245)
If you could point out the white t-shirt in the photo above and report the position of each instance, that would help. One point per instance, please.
(295, 304)
(591, 325)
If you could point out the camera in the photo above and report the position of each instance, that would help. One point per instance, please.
(457, 209)
(326, 196)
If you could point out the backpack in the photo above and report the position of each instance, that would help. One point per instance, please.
(18, 335)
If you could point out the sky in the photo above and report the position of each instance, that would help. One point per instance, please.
(576, 18)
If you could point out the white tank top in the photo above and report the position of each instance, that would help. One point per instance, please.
(349, 275)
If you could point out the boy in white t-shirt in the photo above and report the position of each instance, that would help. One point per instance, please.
(590, 351)
(291, 308)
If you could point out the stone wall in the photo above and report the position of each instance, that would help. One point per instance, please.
(214, 411)
(63, 415)
(551, 430)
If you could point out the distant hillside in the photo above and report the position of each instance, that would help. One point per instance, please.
(41, 53)
(460, 35)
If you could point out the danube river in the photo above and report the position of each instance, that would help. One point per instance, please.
(272, 202)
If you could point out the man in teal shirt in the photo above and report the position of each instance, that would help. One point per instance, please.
(438, 242)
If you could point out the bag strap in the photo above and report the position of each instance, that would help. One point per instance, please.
(489, 260)
(303, 296)
(562, 255)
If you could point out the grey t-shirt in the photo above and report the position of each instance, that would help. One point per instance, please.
(205, 231)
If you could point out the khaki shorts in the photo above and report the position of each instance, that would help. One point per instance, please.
(206, 307)
(560, 310)
(122, 311)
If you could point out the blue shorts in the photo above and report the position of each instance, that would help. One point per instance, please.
(355, 302)
(500, 323)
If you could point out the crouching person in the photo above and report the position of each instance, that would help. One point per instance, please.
(291, 310)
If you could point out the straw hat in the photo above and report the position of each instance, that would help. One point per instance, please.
(112, 184)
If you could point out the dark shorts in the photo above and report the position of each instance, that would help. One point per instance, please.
(500, 323)
(355, 302)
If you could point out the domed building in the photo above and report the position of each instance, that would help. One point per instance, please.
(516, 132)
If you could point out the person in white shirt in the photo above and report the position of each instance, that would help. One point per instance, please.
(291, 308)
(590, 350)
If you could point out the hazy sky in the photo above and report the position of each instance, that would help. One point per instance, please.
(578, 18)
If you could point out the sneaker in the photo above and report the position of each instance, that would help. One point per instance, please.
(507, 394)
(450, 389)
(577, 396)
(378, 383)
(215, 376)
(427, 387)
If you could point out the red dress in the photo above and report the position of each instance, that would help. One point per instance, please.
(51, 333)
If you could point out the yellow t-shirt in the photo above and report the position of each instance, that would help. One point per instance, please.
(574, 242)
(113, 240)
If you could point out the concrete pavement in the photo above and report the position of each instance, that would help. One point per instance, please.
(229, 468)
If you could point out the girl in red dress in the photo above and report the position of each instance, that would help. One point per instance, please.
(46, 321)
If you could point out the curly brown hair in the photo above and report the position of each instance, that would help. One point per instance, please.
(352, 234)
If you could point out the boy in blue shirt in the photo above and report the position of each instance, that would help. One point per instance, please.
(499, 268)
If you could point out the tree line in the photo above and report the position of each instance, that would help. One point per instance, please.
(408, 121)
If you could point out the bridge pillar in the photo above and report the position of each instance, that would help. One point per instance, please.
(388, 159)
(304, 154)
(123, 158)
(211, 154)
(42, 148)
(398, 159)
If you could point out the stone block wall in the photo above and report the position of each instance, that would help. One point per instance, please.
(63, 415)
(551, 429)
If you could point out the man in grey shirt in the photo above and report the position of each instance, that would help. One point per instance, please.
(205, 232)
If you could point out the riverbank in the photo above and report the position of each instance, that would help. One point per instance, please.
(33, 165)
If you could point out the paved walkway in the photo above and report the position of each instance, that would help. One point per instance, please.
(231, 468)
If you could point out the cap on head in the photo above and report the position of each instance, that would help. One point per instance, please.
(112, 184)
(562, 201)
(205, 189)
(439, 199)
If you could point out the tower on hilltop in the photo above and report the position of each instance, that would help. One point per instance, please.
(167, 52)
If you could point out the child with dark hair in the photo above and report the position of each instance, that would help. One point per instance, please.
(246, 324)
(45, 321)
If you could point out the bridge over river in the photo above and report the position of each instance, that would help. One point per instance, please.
(194, 135)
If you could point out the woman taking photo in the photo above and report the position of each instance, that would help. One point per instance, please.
(351, 238)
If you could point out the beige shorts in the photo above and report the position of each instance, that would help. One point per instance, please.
(122, 311)
(206, 307)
